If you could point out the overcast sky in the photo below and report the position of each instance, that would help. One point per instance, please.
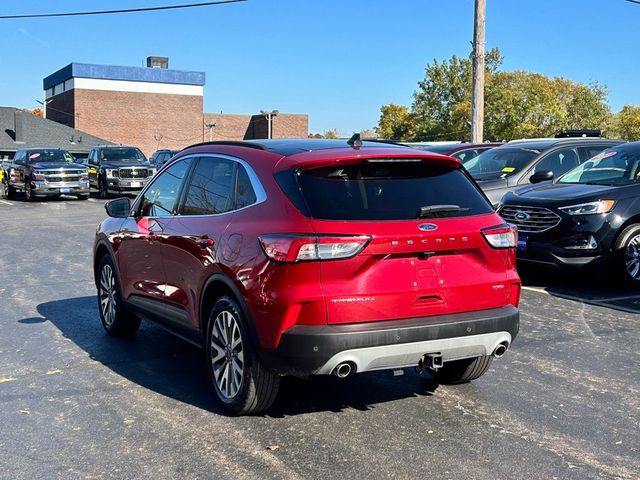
(336, 60)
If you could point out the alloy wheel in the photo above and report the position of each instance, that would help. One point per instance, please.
(108, 295)
(227, 354)
(632, 258)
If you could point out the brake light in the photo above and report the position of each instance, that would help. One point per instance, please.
(291, 248)
(502, 236)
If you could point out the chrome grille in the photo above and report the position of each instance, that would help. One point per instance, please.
(133, 173)
(529, 219)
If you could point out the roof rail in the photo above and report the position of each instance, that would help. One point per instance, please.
(232, 143)
(579, 133)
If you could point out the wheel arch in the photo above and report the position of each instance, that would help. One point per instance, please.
(635, 220)
(101, 249)
(219, 285)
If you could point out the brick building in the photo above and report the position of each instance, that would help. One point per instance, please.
(229, 126)
(150, 108)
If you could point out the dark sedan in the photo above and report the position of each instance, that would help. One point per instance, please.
(590, 214)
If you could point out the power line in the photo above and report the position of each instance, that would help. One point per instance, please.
(124, 10)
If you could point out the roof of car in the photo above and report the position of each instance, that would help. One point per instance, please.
(546, 143)
(292, 146)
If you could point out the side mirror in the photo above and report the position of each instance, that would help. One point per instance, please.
(542, 176)
(118, 208)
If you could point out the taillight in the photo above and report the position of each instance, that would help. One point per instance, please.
(291, 248)
(502, 236)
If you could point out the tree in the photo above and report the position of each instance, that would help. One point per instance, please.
(626, 123)
(396, 123)
(518, 104)
(37, 112)
(331, 133)
(442, 104)
(369, 133)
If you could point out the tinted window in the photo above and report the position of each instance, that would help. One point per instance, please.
(558, 162)
(616, 166)
(160, 198)
(122, 154)
(387, 191)
(500, 162)
(466, 155)
(210, 187)
(245, 195)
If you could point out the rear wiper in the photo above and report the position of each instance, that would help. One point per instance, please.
(438, 210)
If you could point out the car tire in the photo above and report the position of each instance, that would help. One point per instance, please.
(102, 189)
(10, 191)
(242, 385)
(83, 197)
(28, 191)
(115, 318)
(462, 371)
(627, 253)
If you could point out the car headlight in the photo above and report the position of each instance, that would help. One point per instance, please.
(112, 173)
(601, 206)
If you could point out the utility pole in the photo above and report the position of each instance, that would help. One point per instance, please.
(477, 105)
(210, 126)
(269, 116)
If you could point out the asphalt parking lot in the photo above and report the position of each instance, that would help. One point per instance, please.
(74, 403)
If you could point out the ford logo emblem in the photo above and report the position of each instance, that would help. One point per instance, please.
(427, 227)
(522, 216)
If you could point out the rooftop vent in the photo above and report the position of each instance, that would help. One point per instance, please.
(157, 62)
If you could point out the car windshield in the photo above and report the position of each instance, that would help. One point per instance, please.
(40, 156)
(122, 154)
(615, 166)
(500, 162)
(392, 189)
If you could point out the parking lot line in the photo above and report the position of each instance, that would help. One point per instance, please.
(535, 289)
(6, 203)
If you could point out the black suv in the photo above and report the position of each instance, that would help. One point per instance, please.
(160, 157)
(118, 168)
(45, 173)
(523, 162)
(589, 214)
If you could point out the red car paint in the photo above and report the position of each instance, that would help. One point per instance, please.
(401, 273)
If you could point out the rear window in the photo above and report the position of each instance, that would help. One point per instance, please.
(387, 190)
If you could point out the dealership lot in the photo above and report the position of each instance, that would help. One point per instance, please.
(75, 403)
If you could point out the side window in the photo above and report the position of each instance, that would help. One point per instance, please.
(591, 151)
(245, 194)
(558, 162)
(160, 199)
(210, 187)
(466, 155)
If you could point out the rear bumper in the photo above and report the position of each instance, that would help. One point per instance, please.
(317, 350)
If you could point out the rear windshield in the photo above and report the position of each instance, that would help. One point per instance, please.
(386, 190)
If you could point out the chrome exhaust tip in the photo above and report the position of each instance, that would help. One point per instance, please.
(343, 370)
(500, 350)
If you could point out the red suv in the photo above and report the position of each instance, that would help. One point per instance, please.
(312, 257)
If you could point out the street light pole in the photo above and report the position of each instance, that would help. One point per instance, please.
(269, 116)
(477, 107)
(210, 126)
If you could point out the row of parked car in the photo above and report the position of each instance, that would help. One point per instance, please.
(575, 199)
(51, 172)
